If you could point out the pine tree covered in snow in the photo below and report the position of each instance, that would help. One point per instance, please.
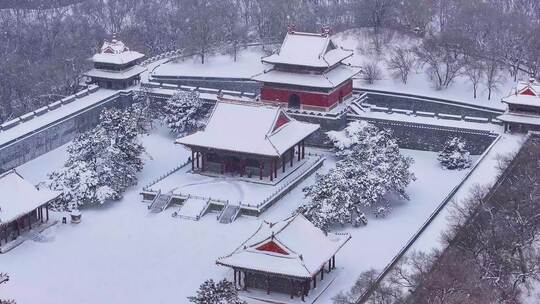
(369, 168)
(102, 162)
(222, 292)
(455, 154)
(185, 112)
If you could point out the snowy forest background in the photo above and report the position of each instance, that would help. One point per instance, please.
(46, 43)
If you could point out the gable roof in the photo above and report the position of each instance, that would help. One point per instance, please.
(525, 93)
(116, 52)
(19, 197)
(249, 128)
(307, 248)
(308, 49)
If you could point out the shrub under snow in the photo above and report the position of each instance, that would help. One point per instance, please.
(455, 154)
(222, 292)
(370, 166)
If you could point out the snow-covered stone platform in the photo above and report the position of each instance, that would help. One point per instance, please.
(251, 194)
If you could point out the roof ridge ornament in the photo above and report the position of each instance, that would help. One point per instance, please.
(325, 30)
(291, 28)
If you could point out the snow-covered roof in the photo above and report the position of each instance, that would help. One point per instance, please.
(116, 52)
(109, 74)
(19, 197)
(328, 79)
(293, 247)
(525, 93)
(252, 128)
(308, 49)
(521, 118)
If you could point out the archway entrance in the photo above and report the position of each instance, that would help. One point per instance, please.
(294, 101)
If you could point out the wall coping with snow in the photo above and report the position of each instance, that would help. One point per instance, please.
(22, 122)
(431, 99)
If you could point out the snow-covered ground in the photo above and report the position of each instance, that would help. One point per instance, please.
(418, 83)
(248, 64)
(121, 253)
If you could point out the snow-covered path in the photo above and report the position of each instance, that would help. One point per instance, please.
(121, 253)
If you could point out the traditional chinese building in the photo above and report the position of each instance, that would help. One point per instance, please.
(307, 73)
(22, 206)
(523, 112)
(116, 66)
(289, 257)
(248, 139)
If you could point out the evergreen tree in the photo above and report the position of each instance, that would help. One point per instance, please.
(369, 167)
(223, 292)
(102, 162)
(455, 154)
(185, 112)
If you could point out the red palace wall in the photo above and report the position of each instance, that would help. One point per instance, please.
(326, 100)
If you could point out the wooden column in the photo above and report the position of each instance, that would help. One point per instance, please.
(303, 149)
(192, 160)
(203, 161)
(283, 163)
(334, 262)
(322, 273)
(235, 282)
(330, 265)
(47, 211)
(198, 154)
(260, 170)
(299, 152)
(271, 170)
(292, 155)
(268, 282)
(41, 210)
(314, 282)
(29, 221)
(291, 286)
(245, 280)
(275, 167)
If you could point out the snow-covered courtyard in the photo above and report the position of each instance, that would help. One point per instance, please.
(121, 253)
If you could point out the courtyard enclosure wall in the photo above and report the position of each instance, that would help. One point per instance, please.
(56, 134)
(449, 198)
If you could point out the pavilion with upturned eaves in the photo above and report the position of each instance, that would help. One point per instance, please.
(22, 207)
(289, 256)
(248, 139)
(116, 66)
(308, 72)
(523, 112)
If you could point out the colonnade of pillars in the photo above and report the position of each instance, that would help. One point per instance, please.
(199, 160)
(296, 286)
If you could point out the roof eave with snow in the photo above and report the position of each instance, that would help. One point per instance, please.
(118, 75)
(250, 129)
(19, 197)
(117, 59)
(327, 80)
(307, 249)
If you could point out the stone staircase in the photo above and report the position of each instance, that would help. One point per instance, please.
(160, 202)
(229, 214)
